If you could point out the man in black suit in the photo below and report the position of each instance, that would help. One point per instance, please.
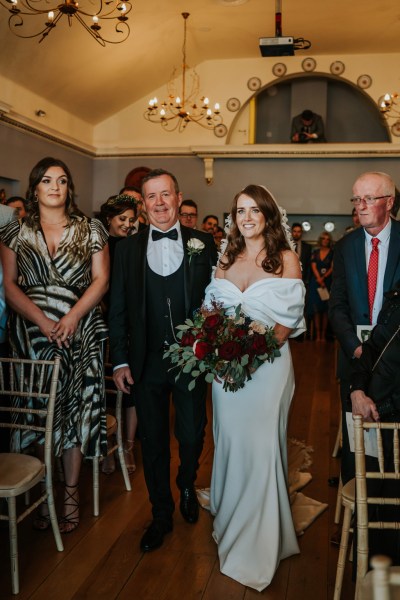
(349, 304)
(303, 251)
(157, 284)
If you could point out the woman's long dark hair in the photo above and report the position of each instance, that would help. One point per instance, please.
(275, 241)
(35, 177)
(72, 212)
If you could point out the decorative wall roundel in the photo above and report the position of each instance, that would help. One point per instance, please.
(395, 129)
(364, 82)
(279, 69)
(220, 130)
(233, 104)
(337, 67)
(254, 84)
(309, 64)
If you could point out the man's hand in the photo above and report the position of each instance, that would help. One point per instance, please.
(123, 379)
(358, 351)
(364, 406)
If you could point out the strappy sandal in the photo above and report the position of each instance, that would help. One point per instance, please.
(129, 456)
(70, 522)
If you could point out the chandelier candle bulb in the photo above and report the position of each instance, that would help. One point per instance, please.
(107, 11)
(182, 108)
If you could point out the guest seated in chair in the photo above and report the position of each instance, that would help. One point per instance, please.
(375, 395)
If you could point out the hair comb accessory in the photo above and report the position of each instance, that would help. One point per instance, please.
(120, 198)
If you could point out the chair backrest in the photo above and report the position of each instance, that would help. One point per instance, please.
(28, 391)
(385, 471)
(383, 577)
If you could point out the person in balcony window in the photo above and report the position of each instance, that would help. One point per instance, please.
(308, 127)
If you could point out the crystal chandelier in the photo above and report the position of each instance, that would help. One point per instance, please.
(181, 107)
(112, 14)
(388, 105)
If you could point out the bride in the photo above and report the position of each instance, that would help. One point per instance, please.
(253, 525)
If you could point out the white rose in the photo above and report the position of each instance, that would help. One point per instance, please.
(257, 327)
(195, 244)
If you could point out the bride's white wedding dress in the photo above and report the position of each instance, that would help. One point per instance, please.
(253, 524)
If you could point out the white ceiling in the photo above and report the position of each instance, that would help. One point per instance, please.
(72, 71)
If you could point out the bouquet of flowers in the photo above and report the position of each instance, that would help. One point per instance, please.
(222, 345)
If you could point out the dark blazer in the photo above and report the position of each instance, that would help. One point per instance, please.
(348, 304)
(377, 372)
(305, 259)
(127, 315)
(317, 126)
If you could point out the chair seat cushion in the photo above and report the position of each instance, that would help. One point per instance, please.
(349, 491)
(17, 470)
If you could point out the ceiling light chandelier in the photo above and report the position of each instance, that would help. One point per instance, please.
(181, 107)
(91, 15)
(389, 107)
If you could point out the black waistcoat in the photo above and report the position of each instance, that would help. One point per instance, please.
(165, 299)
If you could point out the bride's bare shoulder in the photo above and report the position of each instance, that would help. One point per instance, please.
(291, 265)
(219, 273)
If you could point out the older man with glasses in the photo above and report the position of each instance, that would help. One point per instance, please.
(366, 265)
(188, 213)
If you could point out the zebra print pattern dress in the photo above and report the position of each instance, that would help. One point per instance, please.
(55, 284)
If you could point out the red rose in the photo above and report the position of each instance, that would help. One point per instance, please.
(211, 336)
(229, 350)
(258, 344)
(201, 349)
(240, 333)
(187, 339)
(211, 322)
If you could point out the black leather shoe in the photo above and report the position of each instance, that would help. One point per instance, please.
(154, 536)
(189, 505)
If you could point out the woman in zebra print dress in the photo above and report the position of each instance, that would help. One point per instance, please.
(56, 268)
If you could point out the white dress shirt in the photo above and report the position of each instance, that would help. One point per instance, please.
(165, 256)
(383, 248)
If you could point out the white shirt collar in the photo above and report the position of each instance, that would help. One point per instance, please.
(383, 235)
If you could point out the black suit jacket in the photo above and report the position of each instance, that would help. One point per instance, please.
(127, 315)
(305, 259)
(348, 304)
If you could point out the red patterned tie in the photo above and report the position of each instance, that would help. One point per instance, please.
(372, 274)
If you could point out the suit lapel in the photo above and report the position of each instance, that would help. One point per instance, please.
(393, 257)
(141, 258)
(187, 268)
(361, 267)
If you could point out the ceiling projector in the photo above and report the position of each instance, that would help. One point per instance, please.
(277, 46)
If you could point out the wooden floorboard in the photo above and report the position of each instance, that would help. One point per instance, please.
(102, 559)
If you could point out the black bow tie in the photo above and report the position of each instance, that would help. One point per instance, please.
(158, 235)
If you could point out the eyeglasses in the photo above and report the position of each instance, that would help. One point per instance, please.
(188, 215)
(369, 200)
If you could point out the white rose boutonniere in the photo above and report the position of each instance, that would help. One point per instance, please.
(194, 246)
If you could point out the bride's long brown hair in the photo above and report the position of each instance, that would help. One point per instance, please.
(275, 241)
